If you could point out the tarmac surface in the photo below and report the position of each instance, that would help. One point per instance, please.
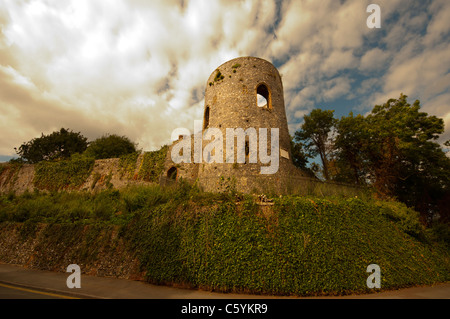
(17, 282)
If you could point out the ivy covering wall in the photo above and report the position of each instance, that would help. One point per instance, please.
(224, 242)
(63, 174)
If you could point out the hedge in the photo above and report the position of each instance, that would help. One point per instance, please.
(298, 246)
(306, 246)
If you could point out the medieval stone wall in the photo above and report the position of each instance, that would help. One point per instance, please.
(106, 173)
(231, 101)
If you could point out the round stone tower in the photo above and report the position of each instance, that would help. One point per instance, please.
(245, 93)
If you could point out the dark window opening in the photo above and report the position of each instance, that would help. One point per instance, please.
(172, 173)
(247, 149)
(206, 118)
(263, 96)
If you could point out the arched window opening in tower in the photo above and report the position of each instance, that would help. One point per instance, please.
(247, 148)
(172, 173)
(206, 118)
(263, 96)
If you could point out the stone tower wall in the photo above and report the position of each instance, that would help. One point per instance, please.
(231, 102)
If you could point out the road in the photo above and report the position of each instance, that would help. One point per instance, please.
(16, 292)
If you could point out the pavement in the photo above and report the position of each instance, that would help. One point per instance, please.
(18, 281)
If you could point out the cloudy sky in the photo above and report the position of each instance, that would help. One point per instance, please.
(139, 67)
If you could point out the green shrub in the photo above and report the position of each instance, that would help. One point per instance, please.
(78, 213)
(105, 204)
(440, 232)
(3, 215)
(21, 214)
(137, 198)
(406, 218)
(110, 146)
(60, 144)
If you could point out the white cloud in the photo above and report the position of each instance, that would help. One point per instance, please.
(337, 61)
(438, 27)
(336, 88)
(134, 68)
(374, 59)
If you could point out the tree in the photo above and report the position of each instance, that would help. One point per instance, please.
(299, 158)
(59, 144)
(110, 146)
(393, 148)
(315, 133)
(447, 145)
(350, 144)
(401, 143)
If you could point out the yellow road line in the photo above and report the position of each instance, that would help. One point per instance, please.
(37, 292)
